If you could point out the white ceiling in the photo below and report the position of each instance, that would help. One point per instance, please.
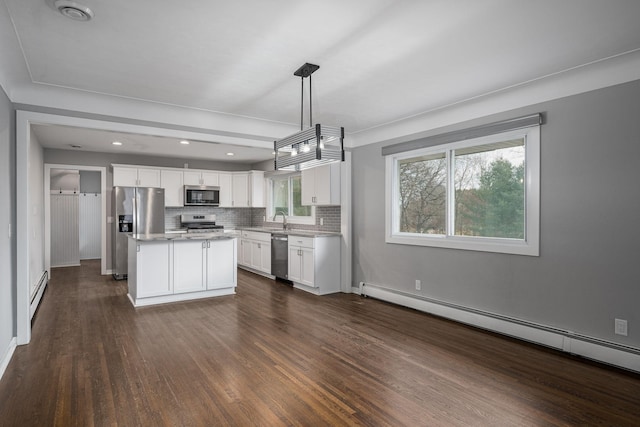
(83, 139)
(381, 61)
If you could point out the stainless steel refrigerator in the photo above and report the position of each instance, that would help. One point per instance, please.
(137, 210)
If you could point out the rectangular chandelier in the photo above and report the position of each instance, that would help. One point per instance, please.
(309, 148)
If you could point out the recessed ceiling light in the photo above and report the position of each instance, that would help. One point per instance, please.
(184, 142)
(73, 10)
(230, 154)
(117, 143)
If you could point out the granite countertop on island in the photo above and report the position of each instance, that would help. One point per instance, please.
(182, 236)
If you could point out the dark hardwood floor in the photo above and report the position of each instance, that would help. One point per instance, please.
(272, 355)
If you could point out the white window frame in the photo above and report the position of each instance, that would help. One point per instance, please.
(530, 245)
(305, 220)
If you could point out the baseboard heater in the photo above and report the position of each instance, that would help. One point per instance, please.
(36, 296)
(619, 355)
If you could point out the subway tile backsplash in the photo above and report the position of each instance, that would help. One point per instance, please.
(252, 217)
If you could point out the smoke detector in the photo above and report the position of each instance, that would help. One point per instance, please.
(73, 10)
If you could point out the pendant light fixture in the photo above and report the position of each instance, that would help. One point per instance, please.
(311, 147)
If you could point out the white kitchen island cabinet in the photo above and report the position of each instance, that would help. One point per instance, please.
(168, 268)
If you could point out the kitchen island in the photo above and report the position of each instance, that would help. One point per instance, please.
(178, 267)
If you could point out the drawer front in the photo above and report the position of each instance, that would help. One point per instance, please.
(256, 235)
(304, 242)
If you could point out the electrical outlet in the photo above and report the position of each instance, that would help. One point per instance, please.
(418, 285)
(621, 327)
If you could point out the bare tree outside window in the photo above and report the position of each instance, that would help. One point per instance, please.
(423, 194)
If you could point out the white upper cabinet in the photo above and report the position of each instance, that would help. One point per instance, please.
(135, 177)
(172, 182)
(201, 178)
(321, 185)
(242, 189)
(237, 189)
(226, 191)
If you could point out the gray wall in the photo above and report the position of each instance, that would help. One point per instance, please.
(586, 274)
(7, 216)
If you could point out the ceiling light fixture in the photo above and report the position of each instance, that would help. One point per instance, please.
(73, 10)
(116, 143)
(231, 154)
(184, 142)
(310, 147)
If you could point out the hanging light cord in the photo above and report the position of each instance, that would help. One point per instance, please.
(301, 102)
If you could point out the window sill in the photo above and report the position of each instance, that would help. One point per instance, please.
(482, 244)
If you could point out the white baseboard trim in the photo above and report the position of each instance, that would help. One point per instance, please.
(165, 299)
(567, 341)
(35, 300)
(7, 356)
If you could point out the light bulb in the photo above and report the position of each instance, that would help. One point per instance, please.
(305, 147)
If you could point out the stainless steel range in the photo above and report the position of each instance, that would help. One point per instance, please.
(200, 223)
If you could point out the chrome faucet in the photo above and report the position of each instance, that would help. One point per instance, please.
(284, 219)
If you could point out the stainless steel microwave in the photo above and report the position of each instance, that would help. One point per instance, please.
(201, 195)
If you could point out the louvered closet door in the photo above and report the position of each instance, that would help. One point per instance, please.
(65, 241)
(90, 218)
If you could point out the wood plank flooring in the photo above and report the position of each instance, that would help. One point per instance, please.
(275, 356)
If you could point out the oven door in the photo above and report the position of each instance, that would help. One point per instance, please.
(201, 196)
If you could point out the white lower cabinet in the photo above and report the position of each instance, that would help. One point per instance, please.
(220, 255)
(301, 265)
(150, 265)
(314, 263)
(255, 251)
(166, 271)
(189, 265)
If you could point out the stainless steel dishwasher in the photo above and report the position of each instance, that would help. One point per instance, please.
(280, 255)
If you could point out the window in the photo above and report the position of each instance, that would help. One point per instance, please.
(476, 194)
(285, 196)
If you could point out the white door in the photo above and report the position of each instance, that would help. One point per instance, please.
(65, 230)
(221, 264)
(189, 269)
